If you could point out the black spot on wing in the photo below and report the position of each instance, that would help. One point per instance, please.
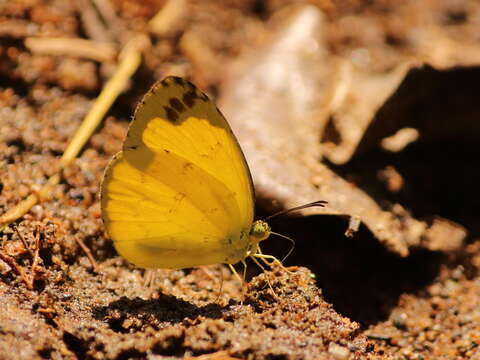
(202, 96)
(172, 115)
(189, 98)
(177, 104)
(179, 80)
(170, 80)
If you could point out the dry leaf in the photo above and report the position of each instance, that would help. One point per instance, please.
(279, 99)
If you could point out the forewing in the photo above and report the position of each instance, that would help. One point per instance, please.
(181, 189)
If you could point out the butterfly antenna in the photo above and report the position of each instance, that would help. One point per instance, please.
(319, 203)
(289, 239)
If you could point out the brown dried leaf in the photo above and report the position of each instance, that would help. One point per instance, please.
(357, 96)
(278, 99)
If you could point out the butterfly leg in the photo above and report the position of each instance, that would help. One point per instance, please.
(244, 275)
(264, 270)
(213, 278)
(259, 251)
(273, 259)
(236, 274)
(149, 278)
(264, 258)
(240, 278)
(221, 285)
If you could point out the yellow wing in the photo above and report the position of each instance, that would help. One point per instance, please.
(180, 193)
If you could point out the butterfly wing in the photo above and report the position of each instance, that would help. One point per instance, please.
(180, 193)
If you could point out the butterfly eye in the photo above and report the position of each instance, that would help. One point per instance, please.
(260, 230)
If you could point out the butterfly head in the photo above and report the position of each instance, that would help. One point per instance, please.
(260, 231)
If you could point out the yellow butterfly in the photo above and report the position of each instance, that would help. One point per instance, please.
(180, 193)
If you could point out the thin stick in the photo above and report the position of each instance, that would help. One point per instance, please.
(114, 23)
(130, 61)
(219, 355)
(87, 252)
(167, 20)
(11, 261)
(36, 257)
(24, 206)
(25, 245)
(81, 48)
(94, 27)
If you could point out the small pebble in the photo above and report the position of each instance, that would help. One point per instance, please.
(338, 352)
(400, 320)
(457, 274)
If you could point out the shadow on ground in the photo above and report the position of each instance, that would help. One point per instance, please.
(129, 315)
(357, 275)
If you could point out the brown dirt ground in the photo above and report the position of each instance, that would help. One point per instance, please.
(362, 302)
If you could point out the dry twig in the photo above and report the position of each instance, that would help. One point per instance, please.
(36, 257)
(94, 50)
(87, 252)
(92, 24)
(167, 20)
(10, 260)
(19, 270)
(25, 244)
(114, 23)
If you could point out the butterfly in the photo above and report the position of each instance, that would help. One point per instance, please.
(180, 193)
